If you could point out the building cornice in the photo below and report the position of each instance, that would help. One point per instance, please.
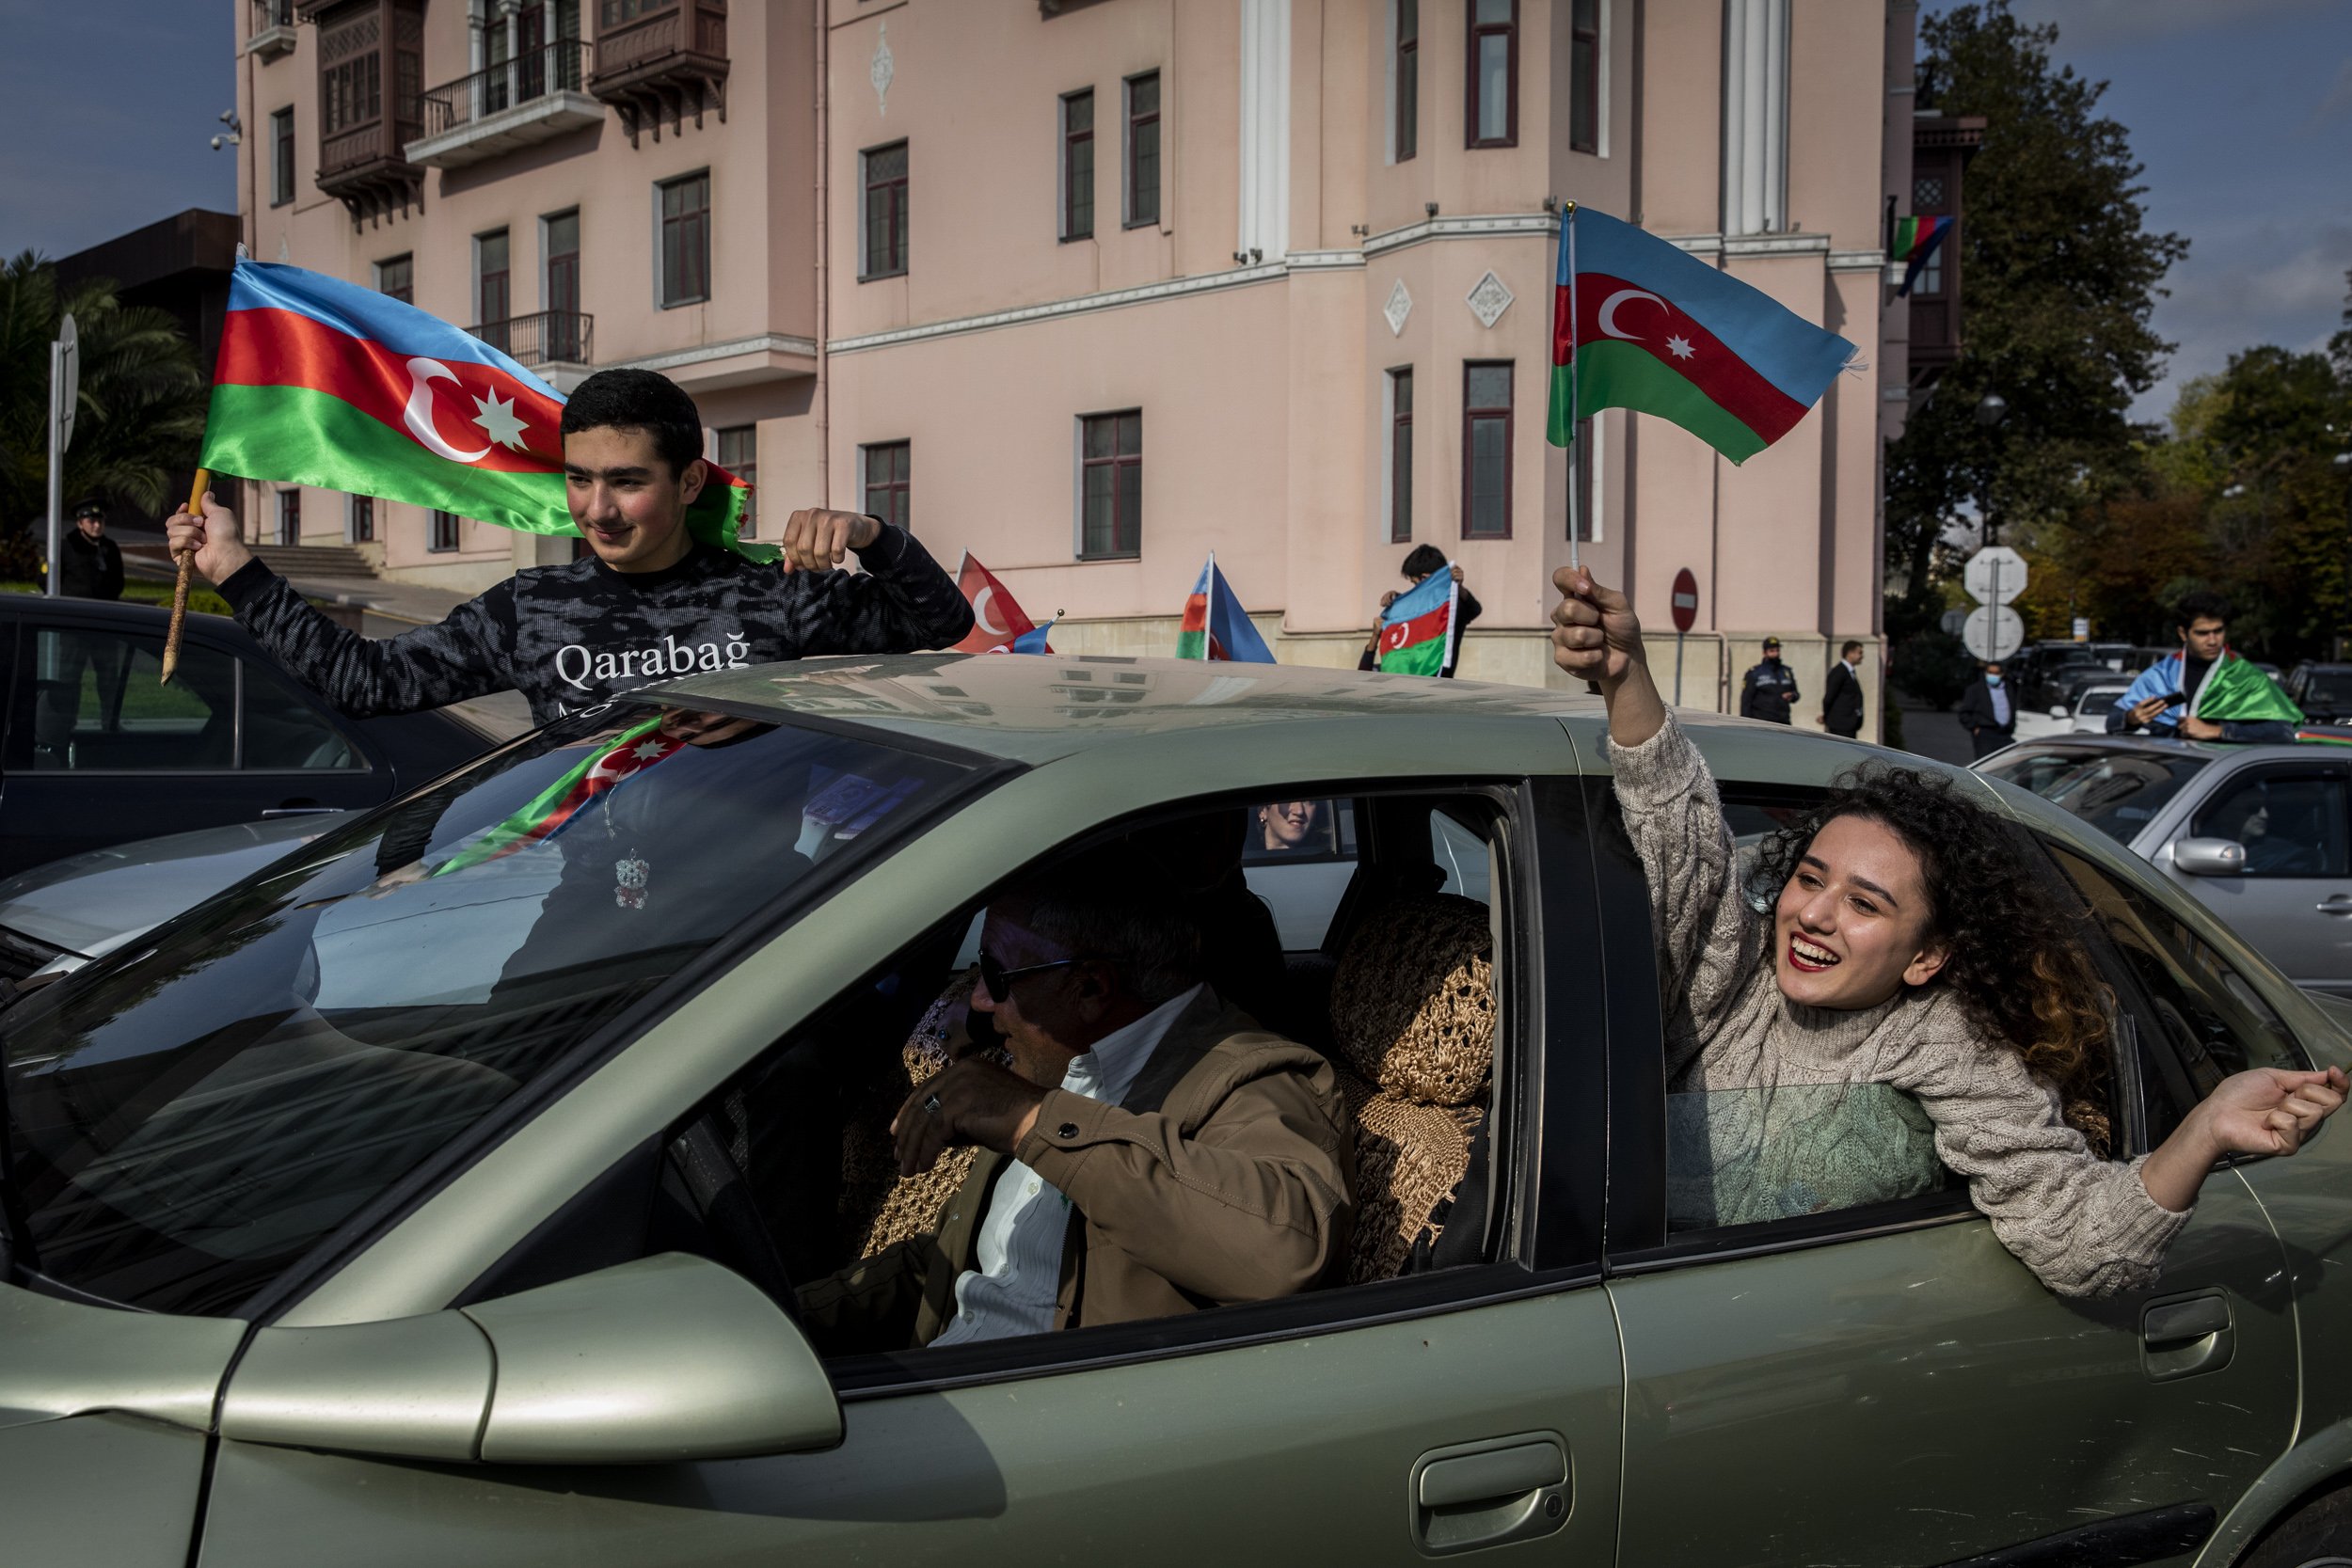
(1777, 244)
(1082, 305)
(1487, 225)
(702, 354)
(1856, 260)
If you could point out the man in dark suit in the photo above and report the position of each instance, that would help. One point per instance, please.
(1987, 712)
(1841, 700)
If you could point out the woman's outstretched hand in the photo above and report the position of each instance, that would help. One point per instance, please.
(1597, 637)
(2261, 1111)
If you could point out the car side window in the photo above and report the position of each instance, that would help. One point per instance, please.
(2197, 1018)
(284, 733)
(99, 705)
(2293, 821)
(1299, 856)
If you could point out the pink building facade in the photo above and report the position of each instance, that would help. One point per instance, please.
(1092, 288)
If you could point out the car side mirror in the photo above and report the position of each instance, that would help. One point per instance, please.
(666, 1359)
(2209, 857)
(2057, 710)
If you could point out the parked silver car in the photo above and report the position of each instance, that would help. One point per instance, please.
(2261, 835)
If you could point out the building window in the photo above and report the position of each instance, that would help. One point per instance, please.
(1401, 456)
(1077, 165)
(1487, 450)
(1493, 100)
(1143, 149)
(1755, 116)
(739, 454)
(281, 157)
(685, 240)
(885, 236)
(351, 94)
(1407, 68)
(889, 477)
(442, 535)
(559, 241)
(290, 517)
(360, 519)
(1110, 486)
(396, 277)
(1584, 76)
(493, 290)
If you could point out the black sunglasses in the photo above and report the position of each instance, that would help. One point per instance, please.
(998, 979)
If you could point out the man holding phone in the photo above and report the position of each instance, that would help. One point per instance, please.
(2159, 700)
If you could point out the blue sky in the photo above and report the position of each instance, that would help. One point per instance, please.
(2241, 109)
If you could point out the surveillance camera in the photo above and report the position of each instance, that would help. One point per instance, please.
(215, 144)
(228, 117)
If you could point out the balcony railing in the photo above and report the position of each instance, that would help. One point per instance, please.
(273, 28)
(658, 59)
(547, 338)
(366, 169)
(561, 66)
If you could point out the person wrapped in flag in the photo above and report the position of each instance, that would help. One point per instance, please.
(1419, 628)
(322, 382)
(1421, 563)
(2203, 691)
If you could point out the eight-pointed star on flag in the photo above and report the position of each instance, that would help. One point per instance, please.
(496, 420)
(1678, 346)
(649, 749)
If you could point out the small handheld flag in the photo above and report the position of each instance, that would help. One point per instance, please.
(1637, 324)
(1216, 625)
(1417, 629)
(996, 620)
(323, 382)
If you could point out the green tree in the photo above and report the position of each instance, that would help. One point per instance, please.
(2058, 280)
(140, 416)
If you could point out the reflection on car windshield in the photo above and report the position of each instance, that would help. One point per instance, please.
(191, 1118)
(2116, 792)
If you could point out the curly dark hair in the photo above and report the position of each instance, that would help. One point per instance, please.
(2017, 959)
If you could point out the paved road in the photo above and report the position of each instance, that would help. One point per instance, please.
(1931, 733)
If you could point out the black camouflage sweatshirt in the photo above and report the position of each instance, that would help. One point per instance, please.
(569, 637)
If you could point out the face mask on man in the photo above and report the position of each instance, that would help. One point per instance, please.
(1992, 680)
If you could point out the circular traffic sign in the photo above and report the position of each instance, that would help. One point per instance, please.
(1995, 575)
(1993, 632)
(1685, 598)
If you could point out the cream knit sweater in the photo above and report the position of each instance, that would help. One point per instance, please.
(2085, 1226)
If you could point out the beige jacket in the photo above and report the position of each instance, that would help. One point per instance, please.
(1227, 1175)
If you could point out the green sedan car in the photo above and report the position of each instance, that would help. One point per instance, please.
(438, 1194)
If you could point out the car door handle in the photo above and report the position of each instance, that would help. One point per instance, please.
(1485, 1494)
(2339, 903)
(272, 814)
(2185, 1336)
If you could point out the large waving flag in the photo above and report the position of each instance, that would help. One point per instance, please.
(1216, 625)
(1417, 629)
(2236, 692)
(323, 382)
(997, 622)
(1642, 326)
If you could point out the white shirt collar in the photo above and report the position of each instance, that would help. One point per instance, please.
(1110, 1070)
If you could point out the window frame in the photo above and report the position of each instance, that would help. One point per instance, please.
(1586, 67)
(696, 222)
(1404, 82)
(1473, 415)
(1073, 140)
(744, 466)
(1471, 101)
(900, 210)
(281, 156)
(498, 328)
(358, 520)
(406, 293)
(1115, 462)
(899, 488)
(1137, 123)
(435, 521)
(1397, 472)
(289, 515)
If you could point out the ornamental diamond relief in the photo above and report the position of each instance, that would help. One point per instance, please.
(1400, 306)
(1489, 299)
(882, 70)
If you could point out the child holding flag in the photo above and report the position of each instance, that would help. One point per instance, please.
(653, 602)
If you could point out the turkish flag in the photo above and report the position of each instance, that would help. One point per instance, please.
(996, 619)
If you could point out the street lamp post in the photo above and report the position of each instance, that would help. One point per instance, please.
(1991, 410)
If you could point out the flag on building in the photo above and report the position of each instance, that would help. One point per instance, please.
(1915, 240)
(323, 382)
(996, 621)
(1417, 629)
(2234, 691)
(554, 808)
(1216, 625)
(1641, 324)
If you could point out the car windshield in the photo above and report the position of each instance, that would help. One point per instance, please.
(193, 1114)
(2116, 792)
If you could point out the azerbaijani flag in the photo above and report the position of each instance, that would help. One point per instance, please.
(2236, 692)
(1216, 625)
(1642, 326)
(1915, 239)
(1417, 629)
(551, 811)
(323, 382)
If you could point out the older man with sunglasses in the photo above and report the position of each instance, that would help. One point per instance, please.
(1150, 1152)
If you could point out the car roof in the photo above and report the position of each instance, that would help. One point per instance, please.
(2166, 746)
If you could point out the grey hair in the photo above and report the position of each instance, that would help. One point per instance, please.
(1120, 910)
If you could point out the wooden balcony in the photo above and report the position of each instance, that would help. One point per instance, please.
(532, 97)
(368, 53)
(367, 169)
(658, 59)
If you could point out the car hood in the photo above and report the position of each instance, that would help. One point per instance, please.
(93, 902)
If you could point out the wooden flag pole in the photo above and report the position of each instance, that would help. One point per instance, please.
(180, 588)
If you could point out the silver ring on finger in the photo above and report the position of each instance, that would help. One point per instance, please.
(930, 1106)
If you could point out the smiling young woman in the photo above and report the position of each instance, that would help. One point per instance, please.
(1898, 935)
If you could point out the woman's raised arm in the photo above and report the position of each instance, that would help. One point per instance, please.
(1596, 636)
